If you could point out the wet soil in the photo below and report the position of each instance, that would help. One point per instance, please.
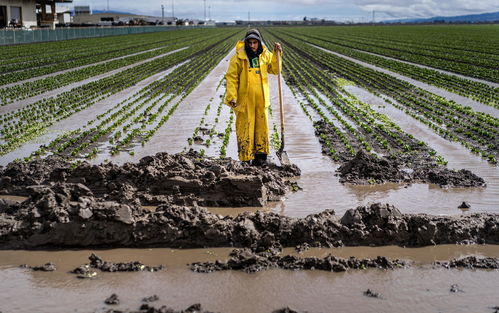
(88, 270)
(250, 261)
(68, 215)
(367, 168)
(422, 287)
(183, 179)
(471, 262)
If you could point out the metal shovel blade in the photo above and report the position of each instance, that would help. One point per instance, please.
(283, 157)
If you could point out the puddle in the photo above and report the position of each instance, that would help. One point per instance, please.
(477, 106)
(419, 287)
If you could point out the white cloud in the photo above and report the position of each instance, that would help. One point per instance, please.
(428, 8)
(286, 9)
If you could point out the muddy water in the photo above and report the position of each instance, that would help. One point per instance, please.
(22, 103)
(492, 84)
(80, 119)
(457, 156)
(420, 287)
(322, 190)
(172, 136)
(477, 106)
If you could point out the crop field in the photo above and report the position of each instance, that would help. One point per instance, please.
(399, 115)
(316, 77)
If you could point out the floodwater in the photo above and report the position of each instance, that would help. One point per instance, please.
(464, 101)
(52, 93)
(420, 287)
(81, 119)
(322, 189)
(492, 84)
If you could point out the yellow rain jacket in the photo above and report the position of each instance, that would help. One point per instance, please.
(249, 87)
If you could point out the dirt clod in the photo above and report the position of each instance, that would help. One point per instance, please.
(87, 270)
(151, 298)
(471, 262)
(112, 300)
(47, 267)
(367, 168)
(372, 294)
(248, 261)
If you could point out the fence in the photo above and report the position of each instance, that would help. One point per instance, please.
(17, 36)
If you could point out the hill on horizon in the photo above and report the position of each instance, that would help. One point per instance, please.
(471, 18)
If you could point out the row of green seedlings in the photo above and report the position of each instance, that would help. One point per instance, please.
(26, 123)
(477, 91)
(68, 50)
(227, 133)
(30, 121)
(33, 88)
(52, 65)
(377, 82)
(181, 85)
(375, 125)
(471, 65)
(203, 123)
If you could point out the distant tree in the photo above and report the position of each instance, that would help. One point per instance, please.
(305, 19)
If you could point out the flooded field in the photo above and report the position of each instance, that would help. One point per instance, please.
(168, 115)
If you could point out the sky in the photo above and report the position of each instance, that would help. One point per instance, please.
(337, 10)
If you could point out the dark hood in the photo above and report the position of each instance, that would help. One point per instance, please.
(253, 34)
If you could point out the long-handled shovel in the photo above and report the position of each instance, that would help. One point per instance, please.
(281, 154)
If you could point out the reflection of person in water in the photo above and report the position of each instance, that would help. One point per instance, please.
(248, 95)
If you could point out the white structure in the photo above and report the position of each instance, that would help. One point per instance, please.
(23, 13)
(18, 13)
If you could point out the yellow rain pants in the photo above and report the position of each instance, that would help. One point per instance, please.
(252, 127)
(249, 88)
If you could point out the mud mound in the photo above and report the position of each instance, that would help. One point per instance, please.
(146, 308)
(471, 262)
(367, 168)
(183, 179)
(106, 266)
(249, 261)
(67, 215)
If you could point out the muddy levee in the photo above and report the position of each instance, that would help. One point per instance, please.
(101, 206)
(418, 166)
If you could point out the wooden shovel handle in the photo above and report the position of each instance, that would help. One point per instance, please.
(281, 107)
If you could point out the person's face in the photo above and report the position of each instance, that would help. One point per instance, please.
(253, 44)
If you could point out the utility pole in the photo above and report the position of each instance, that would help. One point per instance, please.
(173, 14)
(108, 5)
(204, 11)
(248, 17)
(163, 14)
(209, 12)
(374, 21)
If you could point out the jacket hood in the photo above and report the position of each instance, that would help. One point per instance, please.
(241, 52)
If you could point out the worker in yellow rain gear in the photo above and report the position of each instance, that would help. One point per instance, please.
(248, 95)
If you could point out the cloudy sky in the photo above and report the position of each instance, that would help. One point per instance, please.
(339, 10)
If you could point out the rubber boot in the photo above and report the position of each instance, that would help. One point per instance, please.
(260, 159)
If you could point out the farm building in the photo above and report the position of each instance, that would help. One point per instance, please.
(31, 13)
(112, 17)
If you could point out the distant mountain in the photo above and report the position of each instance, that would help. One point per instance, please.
(473, 18)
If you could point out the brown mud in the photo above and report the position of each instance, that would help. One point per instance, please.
(183, 179)
(69, 215)
(471, 262)
(249, 261)
(367, 168)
